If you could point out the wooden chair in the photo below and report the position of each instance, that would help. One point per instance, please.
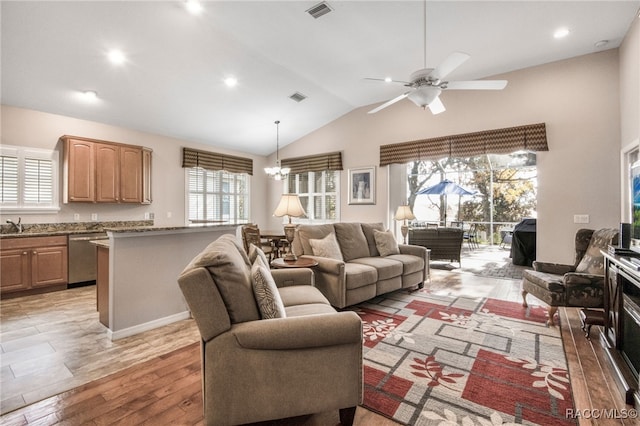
(251, 235)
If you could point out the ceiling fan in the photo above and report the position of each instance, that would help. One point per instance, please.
(426, 84)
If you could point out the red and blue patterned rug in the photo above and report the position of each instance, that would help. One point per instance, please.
(452, 360)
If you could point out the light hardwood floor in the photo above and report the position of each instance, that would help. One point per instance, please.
(54, 343)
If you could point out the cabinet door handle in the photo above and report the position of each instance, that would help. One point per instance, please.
(24, 253)
(34, 252)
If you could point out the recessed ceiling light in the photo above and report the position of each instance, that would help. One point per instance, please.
(193, 6)
(88, 95)
(387, 80)
(561, 33)
(231, 81)
(116, 57)
(601, 43)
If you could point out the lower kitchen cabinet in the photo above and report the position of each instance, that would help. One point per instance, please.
(33, 264)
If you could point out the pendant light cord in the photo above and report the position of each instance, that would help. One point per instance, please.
(277, 140)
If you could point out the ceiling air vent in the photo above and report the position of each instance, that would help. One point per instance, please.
(298, 97)
(319, 9)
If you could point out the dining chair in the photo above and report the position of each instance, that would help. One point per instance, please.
(251, 235)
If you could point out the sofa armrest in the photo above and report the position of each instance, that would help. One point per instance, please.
(302, 332)
(419, 251)
(328, 265)
(553, 268)
(289, 277)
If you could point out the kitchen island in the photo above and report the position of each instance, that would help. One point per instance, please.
(143, 267)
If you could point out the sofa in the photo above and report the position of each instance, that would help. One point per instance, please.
(364, 261)
(272, 345)
(444, 243)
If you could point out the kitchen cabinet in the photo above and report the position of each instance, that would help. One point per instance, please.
(33, 264)
(79, 171)
(116, 173)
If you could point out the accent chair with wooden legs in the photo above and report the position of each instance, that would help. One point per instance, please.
(272, 345)
(577, 285)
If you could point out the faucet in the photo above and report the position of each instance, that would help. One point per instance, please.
(18, 225)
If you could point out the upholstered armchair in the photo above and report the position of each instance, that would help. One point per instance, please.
(577, 285)
(272, 345)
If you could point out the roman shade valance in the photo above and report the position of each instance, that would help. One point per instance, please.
(215, 161)
(531, 137)
(314, 163)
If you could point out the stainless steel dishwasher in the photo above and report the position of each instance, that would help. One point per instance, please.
(82, 257)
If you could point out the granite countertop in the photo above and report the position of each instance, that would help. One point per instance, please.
(46, 230)
(73, 228)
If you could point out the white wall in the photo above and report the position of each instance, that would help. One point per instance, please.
(579, 174)
(36, 129)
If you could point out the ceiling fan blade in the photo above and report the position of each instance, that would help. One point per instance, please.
(386, 81)
(391, 102)
(452, 62)
(477, 85)
(436, 106)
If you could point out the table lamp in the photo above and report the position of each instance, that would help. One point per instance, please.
(290, 206)
(403, 213)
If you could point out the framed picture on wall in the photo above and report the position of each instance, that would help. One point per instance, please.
(362, 185)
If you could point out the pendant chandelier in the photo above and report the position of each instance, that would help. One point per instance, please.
(277, 172)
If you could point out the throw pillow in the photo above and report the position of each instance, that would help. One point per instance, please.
(386, 243)
(327, 247)
(266, 292)
(593, 261)
(255, 252)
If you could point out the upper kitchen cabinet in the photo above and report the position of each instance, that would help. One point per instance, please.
(106, 172)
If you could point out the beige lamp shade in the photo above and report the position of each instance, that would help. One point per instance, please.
(289, 206)
(404, 213)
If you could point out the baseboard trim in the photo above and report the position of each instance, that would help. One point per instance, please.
(136, 329)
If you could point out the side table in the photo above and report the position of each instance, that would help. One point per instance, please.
(301, 262)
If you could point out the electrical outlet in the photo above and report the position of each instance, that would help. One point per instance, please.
(152, 216)
(146, 216)
(580, 218)
(76, 216)
(94, 216)
(169, 214)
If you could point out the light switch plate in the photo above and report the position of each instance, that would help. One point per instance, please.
(94, 216)
(580, 218)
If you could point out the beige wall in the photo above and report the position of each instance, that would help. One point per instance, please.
(579, 174)
(630, 85)
(579, 100)
(36, 129)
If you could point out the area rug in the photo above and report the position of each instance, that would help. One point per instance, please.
(452, 360)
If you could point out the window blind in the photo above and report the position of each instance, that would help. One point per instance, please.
(215, 161)
(38, 181)
(8, 179)
(531, 137)
(314, 163)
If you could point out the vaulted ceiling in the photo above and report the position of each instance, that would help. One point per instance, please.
(171, 80)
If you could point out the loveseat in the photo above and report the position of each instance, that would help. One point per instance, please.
(358, 261)
(272, 345)
(444, 243)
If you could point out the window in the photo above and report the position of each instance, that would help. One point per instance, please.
(217, 195)
(28, 180)
(318, 193)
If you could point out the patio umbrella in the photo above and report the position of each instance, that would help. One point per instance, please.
(445, 188)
